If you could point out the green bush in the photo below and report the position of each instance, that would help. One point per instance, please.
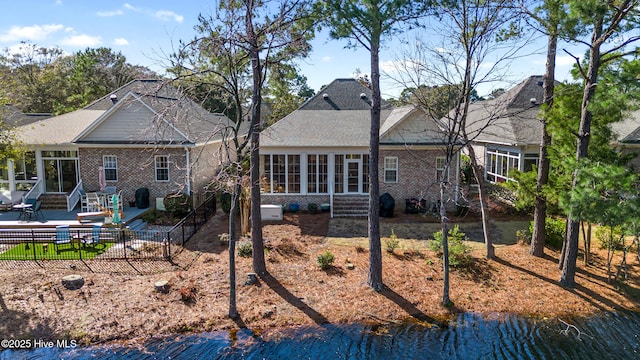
(245, 249)
(392, 242)
(604, 237)
(325, 260)
(458, 250)
(225, 202)
(178, 204)
(554, 229)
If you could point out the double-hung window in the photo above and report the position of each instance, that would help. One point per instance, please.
(441, 163)
(110, 165)
(162, 168)
(391, 169)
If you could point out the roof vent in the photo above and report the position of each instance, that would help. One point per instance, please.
(326, 96)
(363, 96)
(114, 98)
(533, 101)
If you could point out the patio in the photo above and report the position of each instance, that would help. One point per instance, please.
(52, 218)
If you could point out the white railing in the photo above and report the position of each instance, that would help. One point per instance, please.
(331, 199)
(35, 192)
(74, 197)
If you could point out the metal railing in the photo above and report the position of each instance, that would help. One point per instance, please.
(189, 225)
(112, 244)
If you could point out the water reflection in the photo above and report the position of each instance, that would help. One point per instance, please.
(469, 336)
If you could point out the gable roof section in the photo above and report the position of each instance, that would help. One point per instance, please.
(341, 120)
(627, 131)
(511, 118)
(58, 130)
(131, 121)
(409, 125)
(342, 94)
(173, 111)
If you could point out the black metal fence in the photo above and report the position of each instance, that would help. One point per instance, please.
(84, 244)
(189, 225)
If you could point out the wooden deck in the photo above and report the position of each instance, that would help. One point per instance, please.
(53, 218)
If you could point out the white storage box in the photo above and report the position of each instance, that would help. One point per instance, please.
(271, 212)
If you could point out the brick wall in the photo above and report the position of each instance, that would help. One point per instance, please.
(136, 169)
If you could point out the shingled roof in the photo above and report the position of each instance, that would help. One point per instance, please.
(510, 118)
(340, 116)
(627, 131)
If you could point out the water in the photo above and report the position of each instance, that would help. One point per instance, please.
(469, 336)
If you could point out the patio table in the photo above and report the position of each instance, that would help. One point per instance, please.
(22, 208)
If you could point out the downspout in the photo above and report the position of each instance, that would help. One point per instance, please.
(188, 161)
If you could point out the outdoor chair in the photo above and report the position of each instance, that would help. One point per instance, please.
(63, 236)
(34, 210)
(93, 239)
(93, 202)
(109, 190)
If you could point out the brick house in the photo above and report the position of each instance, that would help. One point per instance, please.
(506, 131)
(145, 134)
(319, 153)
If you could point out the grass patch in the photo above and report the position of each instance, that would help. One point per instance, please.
(25, 251)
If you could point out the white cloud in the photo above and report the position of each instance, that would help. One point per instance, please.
(130, 7)
(327, 59)
(167, 15)
(82, 41)
(35, 32)
(110, 13)
(121, 41)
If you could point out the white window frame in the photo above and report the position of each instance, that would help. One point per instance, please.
(107, 162)
(441, 163)
(155, 161)
(391, 167)
(505, 160)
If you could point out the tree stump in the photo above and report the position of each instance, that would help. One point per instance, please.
(162, 286)
(73, 282)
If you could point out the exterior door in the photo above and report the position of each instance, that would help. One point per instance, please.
(353, 174)
(61, 175)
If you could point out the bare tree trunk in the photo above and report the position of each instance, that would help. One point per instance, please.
(446, 300)
(477, 172)
(233, 235)
(540, 210)
(374, 279)
(567, 279)
(257, 242)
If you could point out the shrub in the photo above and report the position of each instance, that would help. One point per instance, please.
(554, 229)
(325, 260)
(458, 250)
(225, 202)
(224, 238)
(392, 242)
(245, 249)
(178, 204)
(523, 237)
(606, 238)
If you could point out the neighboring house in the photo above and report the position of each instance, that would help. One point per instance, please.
(506, 131)
(627, 134)
(320, 152)
(145, 135)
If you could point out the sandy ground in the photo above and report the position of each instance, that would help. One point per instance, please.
(119, 300)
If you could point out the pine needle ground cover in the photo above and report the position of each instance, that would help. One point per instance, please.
(26, 251)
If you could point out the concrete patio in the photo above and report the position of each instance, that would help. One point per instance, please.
(52, 218)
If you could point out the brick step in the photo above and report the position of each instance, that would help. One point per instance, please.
(53, 201)
(351, 206)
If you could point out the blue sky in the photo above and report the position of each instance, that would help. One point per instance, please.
(147, 31)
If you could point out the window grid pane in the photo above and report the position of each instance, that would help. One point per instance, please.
(110, 166)
(162, 168)
(293, 170)
(390, 169)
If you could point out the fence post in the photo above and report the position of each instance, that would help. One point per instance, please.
(33, 244)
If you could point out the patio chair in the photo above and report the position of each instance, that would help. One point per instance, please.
(93, 239)
(34, 210)
(94, 202)
(63, 236)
